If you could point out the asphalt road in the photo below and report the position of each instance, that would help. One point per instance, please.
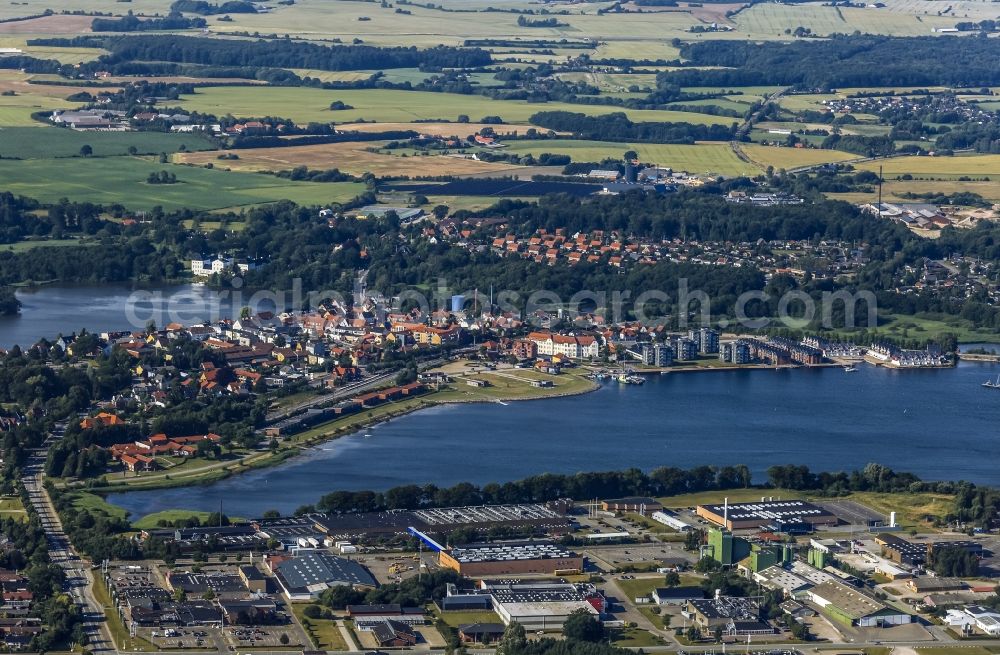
(79, 578)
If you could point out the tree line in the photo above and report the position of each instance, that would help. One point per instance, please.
(841, 61)
(617, 127)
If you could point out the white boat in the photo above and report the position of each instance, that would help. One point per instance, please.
(850, 369)
(992, 385)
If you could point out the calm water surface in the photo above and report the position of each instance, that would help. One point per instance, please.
(939, 424)
(53, 310)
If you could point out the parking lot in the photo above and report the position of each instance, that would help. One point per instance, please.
(263, 636)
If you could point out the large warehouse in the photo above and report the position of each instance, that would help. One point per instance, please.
(767, 514)
(851, 607)
(511, 558)
(539, 607)
(307, 575)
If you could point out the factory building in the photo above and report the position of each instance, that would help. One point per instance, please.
(913, 553)
(778, 515)
(306, 575)
(670, 520)
(850, 606)
(542, 606)
(511, 558)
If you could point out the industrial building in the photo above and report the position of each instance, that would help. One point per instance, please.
(778, 515)
(776, 577)
(640, 504)
(676, 595)
(913, 553)
(670, 520)
(511, 558)
(549, 518)
(306, 575)
(850, 606)
(734, 616)
(542, 606)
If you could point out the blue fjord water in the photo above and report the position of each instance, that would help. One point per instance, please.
(940, 424)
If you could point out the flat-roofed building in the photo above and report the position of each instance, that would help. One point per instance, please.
(850, 606)
(511, 558)
(766, 514)
(776, 577)
(539, 607)
(309, 573)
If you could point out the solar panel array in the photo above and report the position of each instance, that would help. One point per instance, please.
(509, 552)
(777, 510)
(486, 514)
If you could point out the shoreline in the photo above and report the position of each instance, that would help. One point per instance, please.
(259, 460)
(249, 463)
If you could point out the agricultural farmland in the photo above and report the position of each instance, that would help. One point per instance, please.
(715, 158)
(353, 158)
(55, 142)
(393, 106)
(938, 168)
(123, 180)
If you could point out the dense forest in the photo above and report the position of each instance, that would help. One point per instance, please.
(618, 127)
(132, 23)
(285, 54)
(842, 61)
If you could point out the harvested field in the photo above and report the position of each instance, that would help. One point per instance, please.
(353, 158)
(55, 24)
(460, 130)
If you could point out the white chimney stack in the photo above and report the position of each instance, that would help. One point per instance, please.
(892, 519)
(725, 513)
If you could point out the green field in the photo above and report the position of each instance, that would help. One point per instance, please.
(31, 143)
(699, 158)
(149, 521)
(11, 507)
(324, 633)
(771, 20)
(122, 180)
(394, 106)
(455, 619)
(94, 503)
(23, 246)
(943, 168)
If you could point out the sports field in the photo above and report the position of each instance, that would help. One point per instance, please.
(353, 158)
(394, 106)
(122, 180)
(53, 142)
(942, 168)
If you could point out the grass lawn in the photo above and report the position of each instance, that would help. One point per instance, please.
(506, 388)
(910, 508)
(22, 246)
(324, 633)
(394, 106)
(122, 180)
(698, 158)
(52, 142)
(11, 507)
(149, 521)
(455, 619)
(94, 503)
(638, 587)
(924, 326)
(635, 638)
(119, 634)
